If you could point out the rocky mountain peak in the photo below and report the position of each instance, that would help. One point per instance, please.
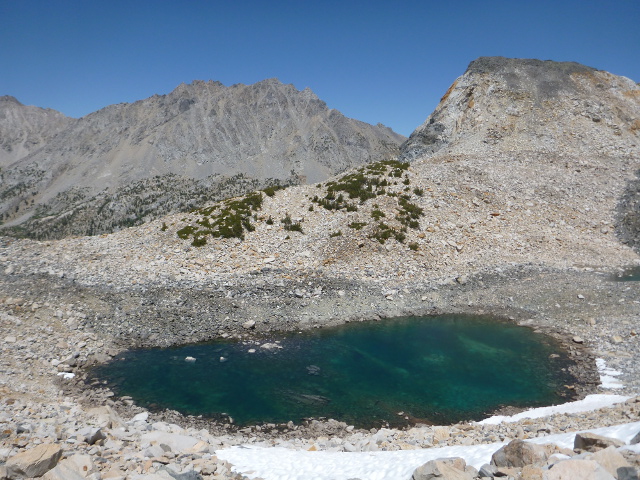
(515, 104)
(9, 99)
(203, 137)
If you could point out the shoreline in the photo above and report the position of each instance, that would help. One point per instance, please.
(95, 324)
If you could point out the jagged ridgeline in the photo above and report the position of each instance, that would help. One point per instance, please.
(362, 190)
(129, 163)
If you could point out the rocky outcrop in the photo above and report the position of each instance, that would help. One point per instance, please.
(128, 163)
(523, 105)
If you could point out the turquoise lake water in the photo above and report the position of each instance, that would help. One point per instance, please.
(438, 369)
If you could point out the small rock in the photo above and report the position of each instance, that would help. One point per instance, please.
(577, 339)
(249, 324)
(190, 359)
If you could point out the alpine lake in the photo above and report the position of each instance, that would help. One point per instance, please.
(434, 370)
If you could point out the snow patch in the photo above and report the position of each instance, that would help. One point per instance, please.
(590, 402)
(607, 375)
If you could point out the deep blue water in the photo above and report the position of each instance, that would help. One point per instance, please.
(434, 369)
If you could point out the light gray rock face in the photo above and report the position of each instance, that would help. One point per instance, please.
(201, 140)
(523, 104)
(25, 129)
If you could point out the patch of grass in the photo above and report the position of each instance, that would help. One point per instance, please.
(164, 227)
(335, 234)
(413, 246)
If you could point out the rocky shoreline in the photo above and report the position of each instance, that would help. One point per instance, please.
(59, 325)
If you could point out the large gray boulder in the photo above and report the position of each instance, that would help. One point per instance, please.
(592, 442)
(518, 453)
(577, 469)
(34, 462)
(445, 469)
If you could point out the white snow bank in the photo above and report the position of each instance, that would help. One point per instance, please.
(590, 402)
(608, 375)
(284, 464)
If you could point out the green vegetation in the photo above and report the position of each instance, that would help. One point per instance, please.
(164, 227)
(335, 234)
(227, 219)
(357, 225)
(290, 225)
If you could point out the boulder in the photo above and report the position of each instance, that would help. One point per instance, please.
(628, 473)
(106, 417)
(34, 462)
(71, 469)
(445, 469)
(592, 442)
(577, 469)
(92, 434)
(635, 439)
(518, 453)
(610, 459)
(177, 443)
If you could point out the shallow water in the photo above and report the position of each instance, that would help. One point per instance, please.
(629, 275)
(439, 369)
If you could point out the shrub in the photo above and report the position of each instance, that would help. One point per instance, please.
(357, 225)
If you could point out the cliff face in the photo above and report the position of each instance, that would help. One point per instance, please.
(203, 140)
(516, 105)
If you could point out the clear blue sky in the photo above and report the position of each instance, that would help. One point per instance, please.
(377, 61)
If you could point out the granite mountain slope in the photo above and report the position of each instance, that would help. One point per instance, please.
(128, 163)
(523, 104)
(25, 129)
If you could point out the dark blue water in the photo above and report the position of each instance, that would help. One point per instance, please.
(437, 369)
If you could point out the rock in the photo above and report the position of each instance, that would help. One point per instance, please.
(140, 417)
(176, 442)
(610, 459)
(628, 473)
(518, 453)
(92, 435)
(106, 417)
(616, 339)
(635, 440)
(577, 469)
(445, 469)
(189, 359)
(76, 467)
(578, 339)
(592, 442)
(249, 324)
(34, 462)
(10, 339)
